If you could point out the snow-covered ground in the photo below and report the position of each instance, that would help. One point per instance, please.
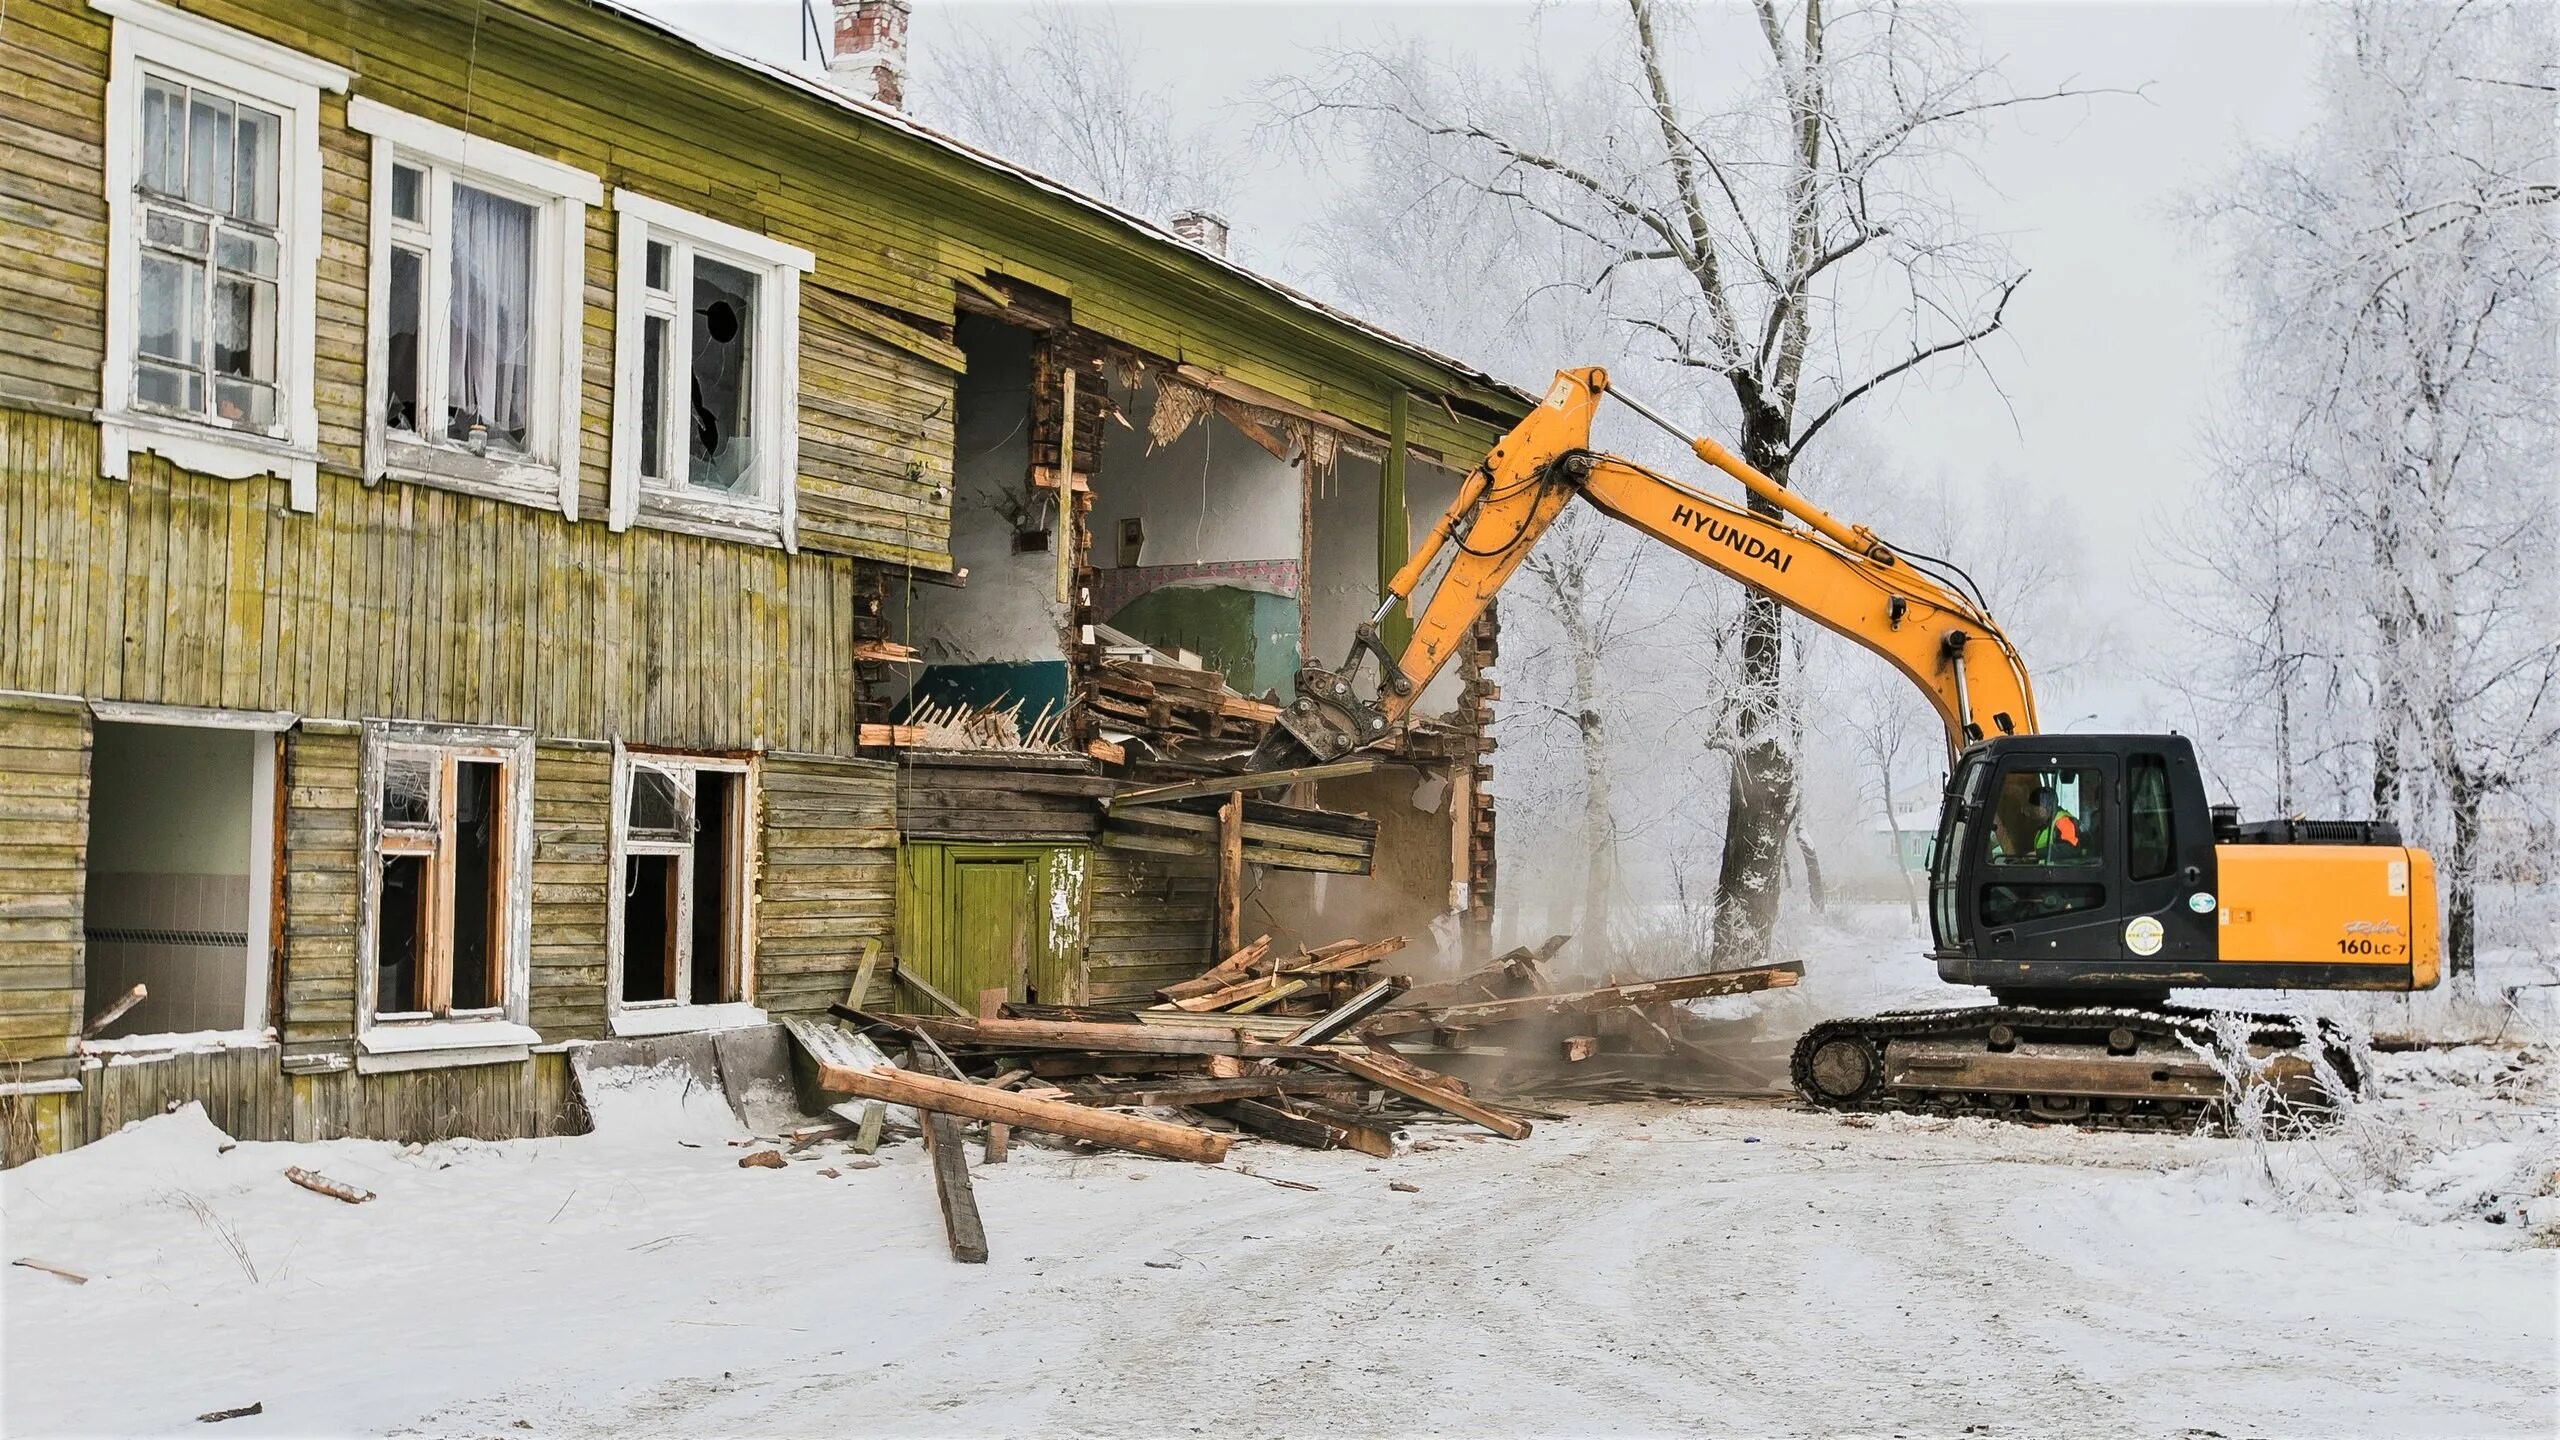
(1660, 1268)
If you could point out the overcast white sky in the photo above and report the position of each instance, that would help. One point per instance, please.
(2113, 347)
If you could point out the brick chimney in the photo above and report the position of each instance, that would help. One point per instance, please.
(1203, 229)
(870, 53)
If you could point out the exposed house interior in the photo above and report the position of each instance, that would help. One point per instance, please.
(180, 838)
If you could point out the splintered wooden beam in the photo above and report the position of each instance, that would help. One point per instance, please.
(1438, 1097)
(115, 1012)
(951, 1184)
(1201, 1038)
(1226, 972)
(1210, 1090)
(933, 1094)
(1582, 1002)
(1262, 780)
(1231, 874)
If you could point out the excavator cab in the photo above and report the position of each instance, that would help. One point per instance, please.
(2067, 864)
(2090, 869)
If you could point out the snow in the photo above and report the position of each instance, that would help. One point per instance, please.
(132, 1049)
(1744, 1268)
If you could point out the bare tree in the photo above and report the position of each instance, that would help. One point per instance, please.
(2395, 272)
(1745, 232)
(1058, 91)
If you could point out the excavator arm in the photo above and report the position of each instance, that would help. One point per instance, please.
(1839, 576)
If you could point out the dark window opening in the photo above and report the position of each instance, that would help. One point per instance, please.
(400, 358)
(479, 906)
(715, 793)
(649, 895)
(400, 948)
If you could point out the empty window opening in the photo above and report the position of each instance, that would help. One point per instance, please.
(683, 931)
(174, 875)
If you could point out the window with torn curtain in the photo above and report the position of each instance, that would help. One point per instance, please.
(448, 826)
(680, 931)
(213, 203)
(476, 289)
(706, 375)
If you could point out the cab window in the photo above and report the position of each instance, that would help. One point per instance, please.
(2150, 845)
(2048, 816)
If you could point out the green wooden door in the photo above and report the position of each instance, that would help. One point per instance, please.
(989, 917)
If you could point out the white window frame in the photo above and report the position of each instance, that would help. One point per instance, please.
(663, 1017)
(149, 35)
(560, 195)
(772, 518)
(495, 1035)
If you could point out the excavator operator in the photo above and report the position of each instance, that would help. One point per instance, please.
(2034, 827)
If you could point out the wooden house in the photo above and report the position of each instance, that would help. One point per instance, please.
(485, 492)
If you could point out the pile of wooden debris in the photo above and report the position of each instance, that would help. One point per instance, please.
(1294, 1048)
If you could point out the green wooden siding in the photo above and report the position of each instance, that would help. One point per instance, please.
(895, 220)
(322, 890)
(829, 879)
(178, 588)
(44, 856)
(989, 917)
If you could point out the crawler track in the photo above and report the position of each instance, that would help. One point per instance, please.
(1841, 1064)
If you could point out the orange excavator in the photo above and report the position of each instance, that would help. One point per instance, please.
(2080, 878)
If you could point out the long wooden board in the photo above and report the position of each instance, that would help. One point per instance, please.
(935, 1095)
(1578, 1002)
(951, 1183)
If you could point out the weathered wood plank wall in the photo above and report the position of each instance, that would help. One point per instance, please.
(1150, 921)
(44, 799)
(178, 588)
(830, 877)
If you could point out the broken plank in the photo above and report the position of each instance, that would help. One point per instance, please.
(1270, 997)
(1209, 1090)
(918, 983)
(323, 1185)
(1580, 1002)
(933, 1094)
(1350, 1013)
(1273, 1123)
(1196, 1039)
(1237, 993)
(1263, 780)
(1351, 1132)
(115, 1011)
(1438, 1097)
(1226, 972)
(951, 1184)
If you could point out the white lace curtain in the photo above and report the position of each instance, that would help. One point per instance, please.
(492, 335)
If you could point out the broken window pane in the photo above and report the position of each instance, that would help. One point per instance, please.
(658, 803)
(490, 347)
(408, 791)
(721, 452)
(479, 895)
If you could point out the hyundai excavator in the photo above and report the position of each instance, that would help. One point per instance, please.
(2080, 878)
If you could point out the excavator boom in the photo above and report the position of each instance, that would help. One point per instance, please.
(1839, 576)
